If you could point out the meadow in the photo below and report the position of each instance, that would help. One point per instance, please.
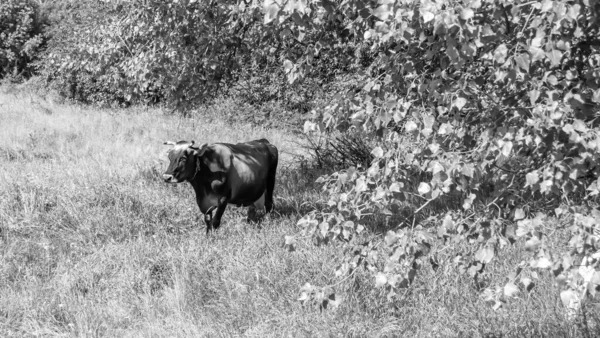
(94, 244)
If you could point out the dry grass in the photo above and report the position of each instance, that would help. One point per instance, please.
(93, 244)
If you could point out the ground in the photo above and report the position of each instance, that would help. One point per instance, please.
(94, 244)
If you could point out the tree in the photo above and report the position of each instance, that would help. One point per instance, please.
(501, 100)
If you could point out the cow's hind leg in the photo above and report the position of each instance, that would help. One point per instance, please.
(270, 186)
(260, 205)
(251, 214)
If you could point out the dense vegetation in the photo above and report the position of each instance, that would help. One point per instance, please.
(480, 119)
(21, 36)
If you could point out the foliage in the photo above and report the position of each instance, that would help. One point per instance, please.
(184, 53)
(71, 23)
(502, 101)
(182, 49)
(20, 36)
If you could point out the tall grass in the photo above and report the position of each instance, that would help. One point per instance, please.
(94, 244)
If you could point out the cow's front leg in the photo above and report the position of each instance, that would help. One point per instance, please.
(222, 204)
(208, 218)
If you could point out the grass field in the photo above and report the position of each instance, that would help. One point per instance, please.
(94, 244)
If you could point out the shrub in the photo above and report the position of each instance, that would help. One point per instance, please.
(21, 37)
(502, 99)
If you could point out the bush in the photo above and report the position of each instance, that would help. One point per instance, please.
(502, 100)
(21, 37)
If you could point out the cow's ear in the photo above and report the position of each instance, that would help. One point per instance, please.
(218, 158)
(199, 152)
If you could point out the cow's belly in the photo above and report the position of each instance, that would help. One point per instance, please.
(246, 197)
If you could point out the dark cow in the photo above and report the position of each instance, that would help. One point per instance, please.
(242, 174)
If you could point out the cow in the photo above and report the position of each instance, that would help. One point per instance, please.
(242, 174)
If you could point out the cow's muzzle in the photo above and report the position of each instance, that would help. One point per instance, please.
(169, 178)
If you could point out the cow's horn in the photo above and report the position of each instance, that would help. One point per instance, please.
(169, 143)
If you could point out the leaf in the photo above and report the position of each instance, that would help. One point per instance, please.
(390, 238)
(466, 13)
(448, 222)
(510, 289)
(271, 9)
(468, 170)
(359, 228)
(541, 263)
(596, 96)
(382, 12)
(377, 152)
(485, 255)
(395, 187)
(324, 227)
(569, 298)
(500, 53)
(536, 53)
(533, 244)
(468, 202)
(460, 102)
(334, 300)
(546, 6)
(529, 285)
(533, 96)
(305, 292)
(523, 61)
(288, 65)
(552, 80)
(309, 127)
(380, 279)
(555, 57)
(506, 148)
(303, 296)
(410, 126)
(519, 214)
(453, 53)
(302, 5)
(427, 16)
(532, 178)
(290, 243)
(580, 126)
(595, 283)
(361, 185)
(424, 188)
(436, 167)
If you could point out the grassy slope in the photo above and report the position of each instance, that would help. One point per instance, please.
(93, 244)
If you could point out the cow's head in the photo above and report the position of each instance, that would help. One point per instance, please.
(184, 161)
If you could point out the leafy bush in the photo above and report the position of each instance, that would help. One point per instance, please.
(185, 53)
(21, 36)
(502, 102)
